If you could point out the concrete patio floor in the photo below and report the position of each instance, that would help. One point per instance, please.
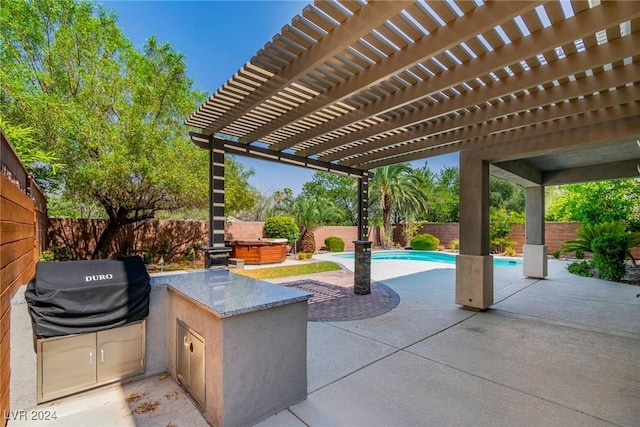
(560, 351)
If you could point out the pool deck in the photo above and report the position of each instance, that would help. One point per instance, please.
(559, 351)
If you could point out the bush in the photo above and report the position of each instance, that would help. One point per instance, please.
(510, 251)
(589, 232)
(55, 253)
(147, 257)
(281, 227)
(47, 256)
(304, 255)
(334, 244)
(609, 251)
(454, 244)
(503, 245)
(582, 268)
(425, 242)
(556, 254)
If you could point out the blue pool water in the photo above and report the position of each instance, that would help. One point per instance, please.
(433, 256)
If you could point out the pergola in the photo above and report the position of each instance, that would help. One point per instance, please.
(542, 93)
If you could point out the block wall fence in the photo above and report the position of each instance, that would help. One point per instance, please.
(174, 238)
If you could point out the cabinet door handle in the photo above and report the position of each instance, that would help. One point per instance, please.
(102, 355)
(90, 359)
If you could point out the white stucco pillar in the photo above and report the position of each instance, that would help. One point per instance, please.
(474, 265)
(534, 250)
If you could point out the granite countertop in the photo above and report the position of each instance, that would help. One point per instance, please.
(228, 294)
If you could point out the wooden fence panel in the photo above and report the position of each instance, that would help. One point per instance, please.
(18, 255)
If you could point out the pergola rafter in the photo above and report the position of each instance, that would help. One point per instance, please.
(414, 53)
(356, 26)
(503, 89)
(383, 82)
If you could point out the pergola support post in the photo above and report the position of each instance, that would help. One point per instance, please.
(216, 254)
(474, 265)
(534, 251)
(362, 257)
(217, 219)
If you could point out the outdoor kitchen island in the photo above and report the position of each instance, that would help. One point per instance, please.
(238, 345)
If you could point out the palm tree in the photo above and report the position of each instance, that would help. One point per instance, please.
(589, 232)
(397, 186)
(309, 213)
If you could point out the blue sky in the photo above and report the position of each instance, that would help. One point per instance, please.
(217, 38)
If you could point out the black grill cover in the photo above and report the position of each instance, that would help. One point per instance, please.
(86, 296)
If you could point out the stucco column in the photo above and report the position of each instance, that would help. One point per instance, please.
(534, 250)
(362, 267)
(474, 265)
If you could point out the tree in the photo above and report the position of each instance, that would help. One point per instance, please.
(506, 194)
(342, 190)
(283, 201)
(38, 160)
(267, 204)
(397, 186)
(238, 194)
(311, 212)
(598, 202)
(500, 221)
(113, 115)
(443, 189)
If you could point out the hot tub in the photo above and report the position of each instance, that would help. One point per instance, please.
(259, 251)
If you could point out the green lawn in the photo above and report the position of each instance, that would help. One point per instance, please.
(290, 270)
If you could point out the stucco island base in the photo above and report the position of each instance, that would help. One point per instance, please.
(255, 360)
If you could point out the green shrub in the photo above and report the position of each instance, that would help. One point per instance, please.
(281, 227)
(47, 256)
(425, 242)
(556, 254)
(609, 251)
(589, 232)
(582, 268)
(55, 253)
(510, 251)
(454, 244)
(304, 255)
(503, 245)
(334, 244)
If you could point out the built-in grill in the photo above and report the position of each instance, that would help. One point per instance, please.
(88, 322)
(87, 296)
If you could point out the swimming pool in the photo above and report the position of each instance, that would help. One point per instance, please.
(433, 256)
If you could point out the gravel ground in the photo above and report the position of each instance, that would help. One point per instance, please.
(633, 275)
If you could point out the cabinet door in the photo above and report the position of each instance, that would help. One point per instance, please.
(190, 365)
(120, 352)
(66, 365)
(196, 371)
(182, 355)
